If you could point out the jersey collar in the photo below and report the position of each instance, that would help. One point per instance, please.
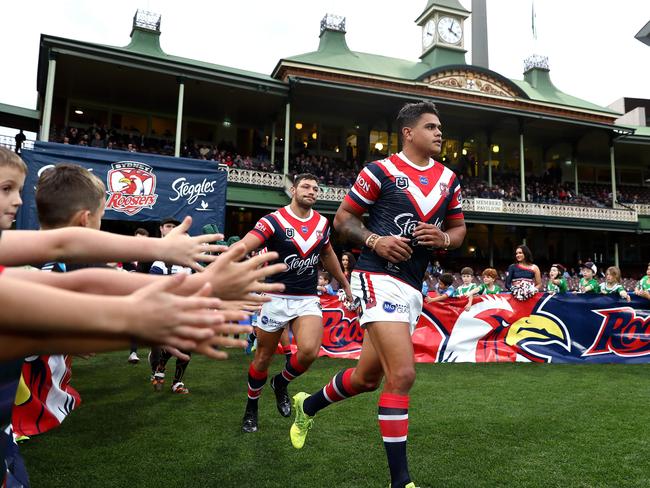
(403, 157)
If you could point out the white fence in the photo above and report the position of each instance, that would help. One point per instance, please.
(551, 210)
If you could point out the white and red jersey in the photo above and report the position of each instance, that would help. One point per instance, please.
(398, 194)
(299, 243)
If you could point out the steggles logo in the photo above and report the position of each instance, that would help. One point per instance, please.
(131, 187)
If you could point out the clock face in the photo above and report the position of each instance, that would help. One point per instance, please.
(428, 32)
(449, 30)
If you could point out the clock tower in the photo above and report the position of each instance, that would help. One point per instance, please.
(443, 32)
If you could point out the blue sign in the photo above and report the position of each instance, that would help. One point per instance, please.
(139, 186)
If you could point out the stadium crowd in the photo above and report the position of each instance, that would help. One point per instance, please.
(547, 188)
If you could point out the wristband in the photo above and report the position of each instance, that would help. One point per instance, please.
(371, 241)
(447, 241)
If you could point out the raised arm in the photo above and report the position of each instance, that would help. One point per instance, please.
(83, 245)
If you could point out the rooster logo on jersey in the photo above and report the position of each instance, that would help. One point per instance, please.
(489, 332)
(131, 187)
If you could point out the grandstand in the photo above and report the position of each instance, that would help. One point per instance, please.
(538, 165)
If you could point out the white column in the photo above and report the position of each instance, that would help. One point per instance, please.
(287, 132)
(522, 166)
(490, 165)
(179, 118)
(612, 162)
(616, 253)
(273, 142)
(575, 174)
(49, 95)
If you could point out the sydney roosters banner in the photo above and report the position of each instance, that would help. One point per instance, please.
(139, 186)
(563, 328)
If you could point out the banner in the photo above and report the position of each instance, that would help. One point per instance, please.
(139, 186)
(44, 397)
(561, 328)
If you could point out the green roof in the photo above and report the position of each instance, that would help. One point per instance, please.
(641, 130)
(146, 45)
(538, 86)
(28, 113)
(147, 42)
(334, 53)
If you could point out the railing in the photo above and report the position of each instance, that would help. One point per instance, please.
(641, 209)
(258, 178)
(548, 210)
(10, 143)
(336, 194)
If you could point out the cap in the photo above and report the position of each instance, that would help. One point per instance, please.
(590, 265)
(170, 220)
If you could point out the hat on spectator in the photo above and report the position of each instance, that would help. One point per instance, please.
(170, 220)
(590, 265)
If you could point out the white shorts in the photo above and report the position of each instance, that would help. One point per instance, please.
(386, 299)
(280, 311)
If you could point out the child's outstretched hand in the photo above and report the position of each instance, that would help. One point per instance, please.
(180, 248)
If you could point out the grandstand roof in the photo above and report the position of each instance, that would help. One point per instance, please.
(144, 51)
(334, 54)
(19, 117)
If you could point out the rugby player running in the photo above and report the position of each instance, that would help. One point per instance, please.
(414, 206)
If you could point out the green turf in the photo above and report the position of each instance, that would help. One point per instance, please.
(490, 425)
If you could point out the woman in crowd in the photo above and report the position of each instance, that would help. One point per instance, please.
(523, 278)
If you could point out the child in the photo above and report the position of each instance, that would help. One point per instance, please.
(643, 287)
(488, 287)
(444, 289)
(556, 281)
(324, 287)
(612, 283)
(587, 283)
(467, 275)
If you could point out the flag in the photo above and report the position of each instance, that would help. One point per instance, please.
(45, 396)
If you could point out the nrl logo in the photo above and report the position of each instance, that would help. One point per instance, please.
(289, 232)
(131, 187)
(401, 182)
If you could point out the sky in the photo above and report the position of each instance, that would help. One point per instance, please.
(591, 47)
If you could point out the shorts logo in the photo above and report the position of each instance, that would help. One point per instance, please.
(395, 307)
(289, 233)
(401, 182)
(304, 229)
(424, 180)
(265, 320)
(444, 190)
(131, 187)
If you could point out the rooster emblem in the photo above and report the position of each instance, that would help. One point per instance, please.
(484, 334)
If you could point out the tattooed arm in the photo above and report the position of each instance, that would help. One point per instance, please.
(349, 224)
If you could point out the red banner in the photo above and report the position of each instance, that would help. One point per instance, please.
(548, 328)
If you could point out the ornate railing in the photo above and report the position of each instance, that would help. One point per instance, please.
(10, 143)
(332, 193)
(252, 177)
(641, 209)
(336, 194)
(548, 210)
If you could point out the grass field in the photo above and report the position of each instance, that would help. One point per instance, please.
(490, 425)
